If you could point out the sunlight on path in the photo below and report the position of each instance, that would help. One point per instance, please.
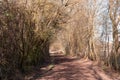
(67, 68)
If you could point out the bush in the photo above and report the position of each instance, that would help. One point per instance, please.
(24, 36)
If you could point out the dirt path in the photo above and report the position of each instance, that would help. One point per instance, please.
(68, 68)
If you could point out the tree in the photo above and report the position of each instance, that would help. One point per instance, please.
(114, 13)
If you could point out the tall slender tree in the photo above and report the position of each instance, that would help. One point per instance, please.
(114, 13)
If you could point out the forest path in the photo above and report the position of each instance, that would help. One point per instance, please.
(71, 68)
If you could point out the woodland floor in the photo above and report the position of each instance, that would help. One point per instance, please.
(71, 68)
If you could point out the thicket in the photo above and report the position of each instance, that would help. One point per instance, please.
(26, 29)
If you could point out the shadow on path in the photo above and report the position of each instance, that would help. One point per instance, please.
(70, 68)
